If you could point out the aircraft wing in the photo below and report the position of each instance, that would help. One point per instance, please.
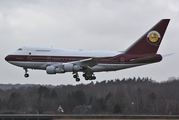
(90, 62)
(85, 63)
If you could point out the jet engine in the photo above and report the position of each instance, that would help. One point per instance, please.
(66, 67)
(53, 70)
(71, 67)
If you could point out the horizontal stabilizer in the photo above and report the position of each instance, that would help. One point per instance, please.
(150, 59)
(167, 55)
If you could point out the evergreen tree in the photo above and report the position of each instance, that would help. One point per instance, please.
(91, 99)
(43, 91)
(53, 94)
(15, 101)
(117, 109)
(80, 96)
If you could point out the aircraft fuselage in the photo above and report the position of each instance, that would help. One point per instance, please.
(55, 60)
(41, 57)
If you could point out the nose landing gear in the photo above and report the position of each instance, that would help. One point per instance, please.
(26, 75)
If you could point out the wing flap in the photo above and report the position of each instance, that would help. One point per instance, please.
(90, 62)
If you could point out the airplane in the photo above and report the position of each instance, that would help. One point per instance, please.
(55, 60)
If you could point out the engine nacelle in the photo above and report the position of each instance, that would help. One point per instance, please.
(54, 70)
(71, 67)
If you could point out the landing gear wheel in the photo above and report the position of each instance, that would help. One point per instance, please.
(77, 79)
(84, 75)
(26, 75)
(86, 78)
(90, 78)
(74, 76)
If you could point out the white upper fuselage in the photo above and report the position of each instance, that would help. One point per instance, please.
(50, 51)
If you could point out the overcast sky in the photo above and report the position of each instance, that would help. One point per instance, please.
(110, 25)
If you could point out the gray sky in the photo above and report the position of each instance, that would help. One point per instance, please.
(110, 25)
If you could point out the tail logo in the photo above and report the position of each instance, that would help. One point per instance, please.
(153, 37)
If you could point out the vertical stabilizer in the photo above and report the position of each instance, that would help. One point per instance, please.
(150, 41)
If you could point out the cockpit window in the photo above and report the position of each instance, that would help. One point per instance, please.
(20, 49)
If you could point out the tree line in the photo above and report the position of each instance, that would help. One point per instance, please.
(127, 96)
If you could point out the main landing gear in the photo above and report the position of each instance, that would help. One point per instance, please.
(76, 76)
(26, 75)
(89, 77)
(86, 76)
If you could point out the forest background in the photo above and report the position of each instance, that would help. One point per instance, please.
(134, 96)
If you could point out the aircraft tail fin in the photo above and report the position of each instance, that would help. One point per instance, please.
(150, 41)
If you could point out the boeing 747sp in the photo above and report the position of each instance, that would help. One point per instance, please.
(54, 60)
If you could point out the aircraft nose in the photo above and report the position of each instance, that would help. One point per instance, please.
(7, 58)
